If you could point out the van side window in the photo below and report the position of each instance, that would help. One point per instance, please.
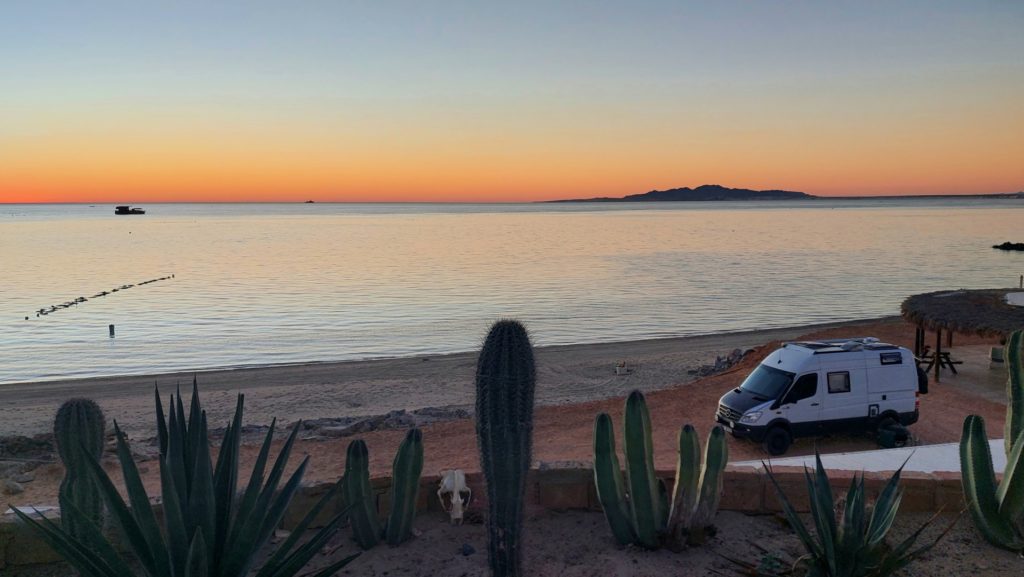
(839, 382)
(890, 358)
(805, 387)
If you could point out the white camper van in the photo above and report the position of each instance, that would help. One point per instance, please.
(818, 387)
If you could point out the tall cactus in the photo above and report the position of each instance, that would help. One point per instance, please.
(651, 520)
(998, 510)
(698, 512)
(359, 495)
(505, 379)
(405, 485)
(645, 501)
(79, 429)
(608, 481)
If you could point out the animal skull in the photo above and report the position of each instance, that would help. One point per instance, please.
(453, 484)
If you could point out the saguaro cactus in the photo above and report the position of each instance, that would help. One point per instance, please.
(79, 429)
(405, 485)
(505, 379)
(359, 495)
(998, 510)
(651, 519)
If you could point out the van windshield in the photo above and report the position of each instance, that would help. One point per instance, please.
(767, 382)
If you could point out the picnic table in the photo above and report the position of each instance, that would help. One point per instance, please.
(927, 360)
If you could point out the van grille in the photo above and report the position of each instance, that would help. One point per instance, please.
(729, 414)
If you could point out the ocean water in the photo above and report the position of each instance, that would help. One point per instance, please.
(260, 284)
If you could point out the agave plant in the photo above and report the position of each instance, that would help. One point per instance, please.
(851, 542)
(998, 508)
(209, 530)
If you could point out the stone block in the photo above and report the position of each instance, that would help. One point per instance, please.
(949, 492)
(26, 548)
(304, 500)
(919, 492)
(742, 490)
(793, 483)
(593, 502)
(564, 496)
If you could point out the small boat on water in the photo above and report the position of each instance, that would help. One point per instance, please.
(128, 210)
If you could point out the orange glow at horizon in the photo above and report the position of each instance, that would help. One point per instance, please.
(518, 152)
(212, 169)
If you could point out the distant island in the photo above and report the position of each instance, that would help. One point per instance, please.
(706, 192)
(715, 192)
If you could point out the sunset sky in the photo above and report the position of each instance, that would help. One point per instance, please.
(140, 102)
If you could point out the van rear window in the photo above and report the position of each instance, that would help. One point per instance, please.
(891, 358)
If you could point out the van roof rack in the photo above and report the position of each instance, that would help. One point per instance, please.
(825, 346)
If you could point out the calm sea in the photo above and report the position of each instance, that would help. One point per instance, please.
(258, 284)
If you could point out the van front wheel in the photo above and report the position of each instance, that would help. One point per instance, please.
(777, 441)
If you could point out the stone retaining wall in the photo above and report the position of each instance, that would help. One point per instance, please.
(570, 486)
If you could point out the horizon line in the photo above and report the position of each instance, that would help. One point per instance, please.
(595, 199)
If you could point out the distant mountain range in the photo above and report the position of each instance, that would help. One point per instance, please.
(704, 192)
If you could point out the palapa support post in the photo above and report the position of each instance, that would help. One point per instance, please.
(938, 352)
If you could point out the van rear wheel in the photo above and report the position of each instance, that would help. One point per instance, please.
(892, 434)
(777, 441)
(887, 422)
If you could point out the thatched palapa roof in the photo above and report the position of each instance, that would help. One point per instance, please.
(982, 312)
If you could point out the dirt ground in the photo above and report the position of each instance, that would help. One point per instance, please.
(579, 544)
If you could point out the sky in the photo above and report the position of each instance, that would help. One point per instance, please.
(514, 101)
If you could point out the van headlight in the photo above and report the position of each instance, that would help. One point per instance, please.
(751, 417)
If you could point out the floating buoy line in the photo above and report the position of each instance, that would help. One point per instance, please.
(75, 302)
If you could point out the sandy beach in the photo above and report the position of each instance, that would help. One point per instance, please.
(566, 374)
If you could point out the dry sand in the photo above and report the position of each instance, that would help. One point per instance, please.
(566, 374)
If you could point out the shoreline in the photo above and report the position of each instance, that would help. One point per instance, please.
(252, 367)
(567, 374)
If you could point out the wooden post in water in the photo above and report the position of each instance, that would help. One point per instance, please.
(111, 331)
